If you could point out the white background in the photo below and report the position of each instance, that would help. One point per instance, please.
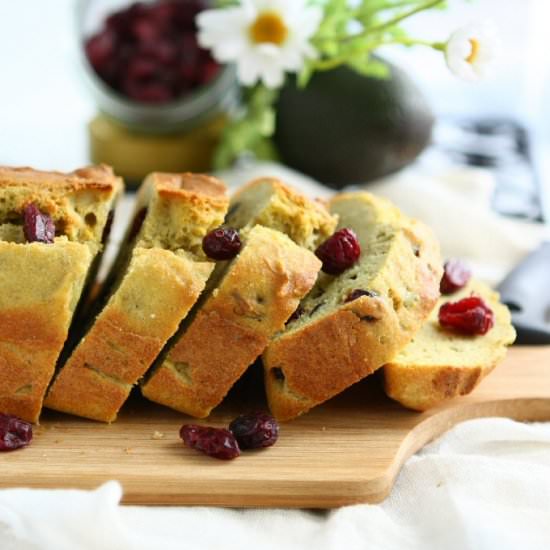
(44, 105)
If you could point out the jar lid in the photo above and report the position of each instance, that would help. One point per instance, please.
(133, 154)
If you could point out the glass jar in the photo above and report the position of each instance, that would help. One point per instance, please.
(137, 137)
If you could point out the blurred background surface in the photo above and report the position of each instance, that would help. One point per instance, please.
(45, 104)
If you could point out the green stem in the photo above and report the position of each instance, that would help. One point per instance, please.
(383, 26)
(413, 42)
(361, 12)
(399, 18)
(327, 64)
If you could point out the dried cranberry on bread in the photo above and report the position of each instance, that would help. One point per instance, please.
(158, 276)
(353, 323)
(440, 364)
(43, 282)
(251, 298)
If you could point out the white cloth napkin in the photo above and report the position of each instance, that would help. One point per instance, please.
(483, 485)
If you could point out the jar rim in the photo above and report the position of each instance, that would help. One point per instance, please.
(198, 106)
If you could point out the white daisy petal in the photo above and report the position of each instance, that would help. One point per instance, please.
(273, 76)
(308, 21)
(229, 51)
(248, 70)
(471, 51)
(279, 43)
(221, 20)
(270, 51)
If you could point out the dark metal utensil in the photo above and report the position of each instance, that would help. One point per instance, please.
(526, 290)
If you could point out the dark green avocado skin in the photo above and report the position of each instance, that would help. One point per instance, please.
(345, 128)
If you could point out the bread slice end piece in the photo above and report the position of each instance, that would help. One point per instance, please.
(41, 285)
(439, 365)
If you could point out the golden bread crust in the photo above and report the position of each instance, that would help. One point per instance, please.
(260, 290)
(189, 185)
(439, 364)
(99, 177)
(79, 202)
(97, 390)
(40, 287)
(181, 210)
(317, 359)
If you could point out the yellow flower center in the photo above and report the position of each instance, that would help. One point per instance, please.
(268, 27)
(474, 52)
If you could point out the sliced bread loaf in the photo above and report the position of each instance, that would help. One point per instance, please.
(251, 298)
(42, 283)
(158, 277)
(352, 324)
(440, 364)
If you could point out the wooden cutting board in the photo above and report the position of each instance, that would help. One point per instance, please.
(347, 451)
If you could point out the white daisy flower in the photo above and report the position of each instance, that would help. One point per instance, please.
(264, 38)
(471, 51)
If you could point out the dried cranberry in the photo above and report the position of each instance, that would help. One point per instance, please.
(38, 227)
(163, 52)
(140, 69)
(145, 30)
(215, 442)
(255, 430)
(358, 292)
(14, 433)
(186, 12)
(208, 71)
(455, 276)
(161, 34)
(470, 315)
(222, 243)
(100, 48)
(339, 252)
(164, 12)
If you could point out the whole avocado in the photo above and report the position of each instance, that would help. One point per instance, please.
(345, 128)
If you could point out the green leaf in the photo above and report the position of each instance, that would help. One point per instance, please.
(264, 149)
(305, 74)
(225, 3)
(370, 67)
(253, 127)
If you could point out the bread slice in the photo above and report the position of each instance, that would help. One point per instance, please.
(42, 284)
(260, 290)
(271, 203)
(166, 273)
(255, 294)
(335, 342)
(440, 364)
